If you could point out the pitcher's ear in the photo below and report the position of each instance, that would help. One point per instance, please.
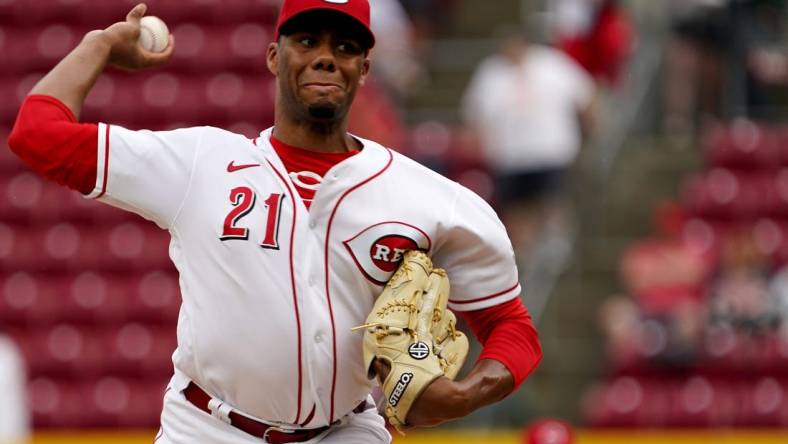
(272, 57)
(364, 72)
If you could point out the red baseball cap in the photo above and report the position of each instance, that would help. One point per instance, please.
(355, 9)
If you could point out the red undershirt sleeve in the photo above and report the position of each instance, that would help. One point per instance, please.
(508, 336)
(50, 140)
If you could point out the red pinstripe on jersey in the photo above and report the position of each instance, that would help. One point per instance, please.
(328, 289)
(293, 283)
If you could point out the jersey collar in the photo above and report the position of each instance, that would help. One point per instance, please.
(372, 158)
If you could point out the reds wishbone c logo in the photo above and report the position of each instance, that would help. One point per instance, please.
(378, 249)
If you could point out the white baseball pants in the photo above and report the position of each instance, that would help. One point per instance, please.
(183, 423)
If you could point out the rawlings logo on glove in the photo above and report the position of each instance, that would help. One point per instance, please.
(412, 331)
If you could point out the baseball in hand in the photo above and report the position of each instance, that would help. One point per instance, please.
(154, 35)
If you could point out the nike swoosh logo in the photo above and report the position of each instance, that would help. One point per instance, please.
(232, 167)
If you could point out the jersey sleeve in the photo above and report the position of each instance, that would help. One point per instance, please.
(146, 172)
(477, 254)
(508, 335)
(49, 139)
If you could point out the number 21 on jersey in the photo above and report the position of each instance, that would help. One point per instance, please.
(243, 200)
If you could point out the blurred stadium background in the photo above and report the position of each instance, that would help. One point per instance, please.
(661, 301)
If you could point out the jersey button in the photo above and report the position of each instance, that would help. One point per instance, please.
(312, 224)
(318, 338)
(312, 281)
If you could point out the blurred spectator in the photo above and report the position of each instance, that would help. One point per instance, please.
(619, 319)
(14, 416)
(665, 275)
(394, 59)
(667, 269)
(530, 105)
(598, 34)
(695, 56)
(763, 27)
(769, 66)
(428, 16)
(724, 61)
(739, 295)
(778, 295)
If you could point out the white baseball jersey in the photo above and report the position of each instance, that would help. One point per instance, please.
(271, 290)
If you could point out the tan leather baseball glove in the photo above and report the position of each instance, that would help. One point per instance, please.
(411, 329)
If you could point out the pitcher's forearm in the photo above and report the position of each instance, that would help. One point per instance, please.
(71, 80)
(489, 382)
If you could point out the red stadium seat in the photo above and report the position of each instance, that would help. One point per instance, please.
(30, 199)
(9, 162)
(777, 203)
(61, 349)
(237, 48)
(101, 402)
(195, 100)
(62, 243)
(102, 14)
(56, 403)
(38, 48)
(145, 406)
(19, 249)
(25, 299)
(701, 402)
(723, 352)
(215, 11)
(119, 402)
(742, 145)
(68, 246)
(771, 239)
(762, 402)
(20, 294)
(707, 235)
(84, 298)
(615, 404)
(139, 349)
(722, 194)
(53, 11)
(635, 402)
(782, 142)
(155, 296)
(20, 194)
(728, 352)
(92, 297)
(9, 102)
(110, 298)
